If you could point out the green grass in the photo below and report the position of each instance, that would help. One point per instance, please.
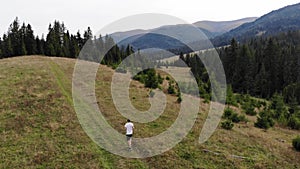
(39, 127)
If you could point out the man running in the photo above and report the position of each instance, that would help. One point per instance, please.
(129, 132)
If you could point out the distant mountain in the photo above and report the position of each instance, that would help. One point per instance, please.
(117, 36)
(152, 40)
(163, 37)
(181, 29)
(171, 37)
(281, 20)
(209, 28)
(220, 27)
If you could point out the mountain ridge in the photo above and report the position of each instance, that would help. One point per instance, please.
(223, 26)
(281, 20)
(210, 28)
(163, 36)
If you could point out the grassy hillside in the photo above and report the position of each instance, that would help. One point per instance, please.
(39, 127)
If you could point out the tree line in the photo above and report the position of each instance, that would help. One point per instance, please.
(20, 40)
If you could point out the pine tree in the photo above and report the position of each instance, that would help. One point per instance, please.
(74, 47)
(230, 98)
(54, 39)
(87, 35)
(14, 36)
(261, 82)
(66, 45)
(279, 109)
(79, 40)
(100, 45)
(30, 41)
(1, 47)
(40, 46)
(272, 61)
(7, 46)
(230, 59)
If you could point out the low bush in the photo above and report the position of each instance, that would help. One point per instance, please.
(294, 122)
(230, 98)
(171, 89)
(179, 98)
(249, 109)
(243, 118)
(264, 121)
(296, 143)
(229, 114)
(228, 125)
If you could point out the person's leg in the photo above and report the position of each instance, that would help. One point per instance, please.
(129, 142)
(128, 137)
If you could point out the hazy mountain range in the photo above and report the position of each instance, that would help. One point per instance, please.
(281, 20)
(220, 33)
(220, 27)
(210, 28)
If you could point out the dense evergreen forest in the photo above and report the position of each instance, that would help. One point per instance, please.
(261, 67)
(264, 67)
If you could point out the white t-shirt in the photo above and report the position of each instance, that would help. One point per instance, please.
(129, 128)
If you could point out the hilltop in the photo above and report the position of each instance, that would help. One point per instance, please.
(39, 128)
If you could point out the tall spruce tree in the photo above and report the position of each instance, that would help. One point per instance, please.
(14, 37)
(30, 41)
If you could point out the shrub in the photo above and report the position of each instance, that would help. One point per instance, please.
(114, 66)
(279, 107)
(296, 143)
(249, 109)
(243, 118)
(263, 103)
(228, 125)
(179, 99)
(140, 77)
(160, 79)
(259, 103)
(294, 122)
(206, 98)
(171, 89)
(264, 121)
(230, 98)
(234, 118)
(229, 114)
(148, 77)
(243, 98)
(152, 80)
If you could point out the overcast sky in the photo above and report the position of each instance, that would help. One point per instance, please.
(79, 14)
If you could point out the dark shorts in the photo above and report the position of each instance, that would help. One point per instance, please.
(128, 136)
